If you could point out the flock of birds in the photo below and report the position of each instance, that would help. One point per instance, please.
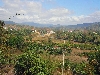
(15, 15)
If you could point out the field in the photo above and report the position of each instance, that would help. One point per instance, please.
(24, 51)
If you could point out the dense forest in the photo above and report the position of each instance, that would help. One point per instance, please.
(27, 50)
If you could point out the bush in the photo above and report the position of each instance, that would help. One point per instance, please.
(32, 64)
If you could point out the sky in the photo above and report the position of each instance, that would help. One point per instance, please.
(64, 12)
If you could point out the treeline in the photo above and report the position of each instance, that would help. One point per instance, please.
(81, 36)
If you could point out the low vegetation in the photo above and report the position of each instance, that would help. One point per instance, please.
(28, 51)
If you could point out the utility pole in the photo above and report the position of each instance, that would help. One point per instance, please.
(63, 64)
(63, 61)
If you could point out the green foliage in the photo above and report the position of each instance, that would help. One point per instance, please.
(2, 32)
(15, 41)
(1, 27)
(32, 64)
(83, 69)
(4, 59)
(94, 60)
(79, 36)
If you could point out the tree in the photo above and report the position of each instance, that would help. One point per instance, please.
(32, 64)
(15, 41)
(2, 31)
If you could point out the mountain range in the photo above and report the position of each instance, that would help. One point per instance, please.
(84, 25)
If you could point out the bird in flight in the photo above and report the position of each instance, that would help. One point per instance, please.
(16, 15)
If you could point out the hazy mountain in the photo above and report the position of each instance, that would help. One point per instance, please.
(29, 23)
(84, 25)
(37, 24)
(9, 22)
(95, 26)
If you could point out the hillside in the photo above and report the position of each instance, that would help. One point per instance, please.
(95, 26)
(9, 22)
(78, 26)
(23, 46)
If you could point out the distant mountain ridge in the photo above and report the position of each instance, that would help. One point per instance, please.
(84, 25)
(36, 24)
(95, 26)
(9, 22)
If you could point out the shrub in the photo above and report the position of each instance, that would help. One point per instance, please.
(32, 64)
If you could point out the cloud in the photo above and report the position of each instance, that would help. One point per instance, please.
(34, 11)
(94, 17)
(59, 12)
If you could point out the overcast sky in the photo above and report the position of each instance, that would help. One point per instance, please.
(64, 12)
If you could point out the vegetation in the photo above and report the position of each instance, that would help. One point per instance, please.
(32, 64)
(35, 51)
